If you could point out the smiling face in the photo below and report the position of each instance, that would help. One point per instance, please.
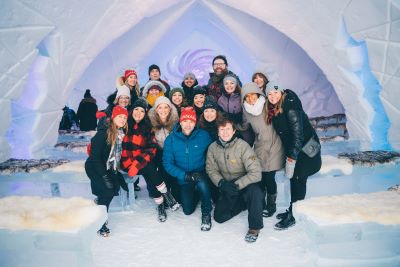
(226, 132)
(132, 80)
(210, 114)
(123, 101)
(229, 86)
(259, 81)
(189, 81)
(274, 96)
(120, 120)
(154, 75)
(198, 100)
(154, 92)
(187, 126)
(138, 114)
(177, 98)
(219, 66)
(251, 98)
(163, 111)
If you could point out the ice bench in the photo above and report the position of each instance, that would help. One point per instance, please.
(67, 180)
(353, 230)
(40, 232)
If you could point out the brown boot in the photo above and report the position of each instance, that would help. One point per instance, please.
(251, 235)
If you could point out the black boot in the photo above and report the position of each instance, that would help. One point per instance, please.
(162, 215)
(170, 201)
(282, 215)
(206, 222)
(286, 222)
(104, 231)
(270, 208)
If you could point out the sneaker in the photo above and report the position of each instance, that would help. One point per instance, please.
(104, 231)
(162, 215)
(282, 215)
(251, 235)
(206, 222)
(286, 222)
(170, 201)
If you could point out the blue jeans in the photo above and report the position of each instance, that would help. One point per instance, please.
(192, 192)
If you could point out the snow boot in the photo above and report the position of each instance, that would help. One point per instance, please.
(206, 222)
(282, 215)
(251, 235)
(162, 215)
(104, 231)
(270, 208)
(286, 222)
(170, 201)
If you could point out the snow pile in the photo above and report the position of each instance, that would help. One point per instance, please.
(29, 165)
(73, 166)
(331, 163)
(379, 207)
(47, 214)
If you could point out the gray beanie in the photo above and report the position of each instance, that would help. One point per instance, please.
(230, 78)
(271, 86)
(189, 74)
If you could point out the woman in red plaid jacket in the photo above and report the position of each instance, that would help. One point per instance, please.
(139, 148)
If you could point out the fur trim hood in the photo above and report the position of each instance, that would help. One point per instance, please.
(156, 122)
(150, 84)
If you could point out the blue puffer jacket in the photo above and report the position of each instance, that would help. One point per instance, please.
(184, 154)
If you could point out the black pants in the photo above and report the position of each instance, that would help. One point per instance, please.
(250, 198)
(268, 182)
(298, 188)
(152, 178)
(104, 200)
(171, 182)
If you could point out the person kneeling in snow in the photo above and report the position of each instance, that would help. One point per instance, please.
(233, 166)
(139, 148)
(102, 165)
(184, 158)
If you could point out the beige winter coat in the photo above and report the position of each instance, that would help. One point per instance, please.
(236, 161)
(267, 145)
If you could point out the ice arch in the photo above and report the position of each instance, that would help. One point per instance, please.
(61, 40)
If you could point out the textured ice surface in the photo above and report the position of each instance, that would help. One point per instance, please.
(53, 232)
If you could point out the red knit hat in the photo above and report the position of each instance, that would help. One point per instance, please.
(188, 113)
(118, 110)
(129, 73)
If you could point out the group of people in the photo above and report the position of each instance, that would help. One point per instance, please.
(220, 144)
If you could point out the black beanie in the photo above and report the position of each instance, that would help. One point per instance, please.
(210, 103)
(220, 57)
(198, 90)
(87, 93)
(140, 102)
(154, 67)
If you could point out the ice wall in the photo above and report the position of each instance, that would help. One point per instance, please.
(50, 45)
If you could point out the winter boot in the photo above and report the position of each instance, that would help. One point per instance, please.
(252, 235)
(205, 222)
(170, 201)
(282, 215)
(271, 206)
(286, 222)
(104, 231)
(162, 215)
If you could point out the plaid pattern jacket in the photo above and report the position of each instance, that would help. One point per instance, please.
(138, 149)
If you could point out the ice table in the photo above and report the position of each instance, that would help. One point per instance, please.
(60, 245)
(353, 230)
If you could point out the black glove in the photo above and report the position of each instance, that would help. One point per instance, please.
(108, 181)
(228, 187)
(193, 176)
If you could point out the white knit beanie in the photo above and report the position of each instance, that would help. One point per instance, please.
(122, 90)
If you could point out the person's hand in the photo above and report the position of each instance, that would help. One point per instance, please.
(197, 176)
(289, 167)
(228, 187)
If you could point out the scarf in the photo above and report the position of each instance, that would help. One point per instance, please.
(257, 108)
(151, 99)
(115, 153)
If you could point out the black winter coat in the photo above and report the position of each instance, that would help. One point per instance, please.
(95, 167)
(294, 129)
(87, 114)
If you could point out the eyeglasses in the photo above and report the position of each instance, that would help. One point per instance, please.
(219, 64)
(124, 97)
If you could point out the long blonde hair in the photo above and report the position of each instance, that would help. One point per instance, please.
(273, 110)
(136, 87)
(112, 132)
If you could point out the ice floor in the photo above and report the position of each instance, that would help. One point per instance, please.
(138, 239)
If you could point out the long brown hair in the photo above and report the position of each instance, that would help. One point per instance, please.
(112, 131)
(274, 110)
(262, 75)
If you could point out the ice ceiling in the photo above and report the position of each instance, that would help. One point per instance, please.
(340, 56)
